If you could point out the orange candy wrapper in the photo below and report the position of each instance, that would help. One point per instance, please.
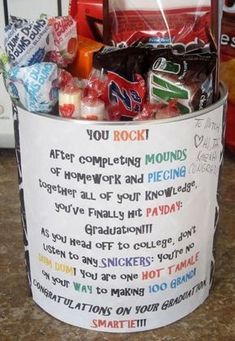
(83, 62)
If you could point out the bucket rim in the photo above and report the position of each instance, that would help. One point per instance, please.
(223, 91)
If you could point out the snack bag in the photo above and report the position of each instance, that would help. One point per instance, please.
(27, 42)
(34, 87)
(64, 78)
(156, 22)
(227, 68)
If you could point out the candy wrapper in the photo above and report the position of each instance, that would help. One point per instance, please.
(34, 87)
(70, 101)
(187, 78)
(64, 78)
(124, 85)
(156, 22)
(80, 100)
(92, 108)
(27, 42)
(82, 65)
(65, 38)
(159, 110)
(134, 76)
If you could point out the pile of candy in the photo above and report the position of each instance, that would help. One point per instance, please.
(34, 51)
(143, 69)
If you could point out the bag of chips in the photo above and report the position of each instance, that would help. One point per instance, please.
(156, 22)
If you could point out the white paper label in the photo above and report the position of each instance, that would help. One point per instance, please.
(120, 218)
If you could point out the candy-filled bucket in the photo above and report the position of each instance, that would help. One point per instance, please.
(119, 218)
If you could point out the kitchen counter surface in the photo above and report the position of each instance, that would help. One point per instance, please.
(22, 319)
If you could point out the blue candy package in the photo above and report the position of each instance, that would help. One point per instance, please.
(27, 42)
(34, 87)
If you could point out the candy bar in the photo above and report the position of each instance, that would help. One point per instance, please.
(125, 85)
(187, 78)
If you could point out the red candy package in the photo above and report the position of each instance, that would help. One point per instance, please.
(156, 22)
(64, 78)
(65, 40)
(125, 87)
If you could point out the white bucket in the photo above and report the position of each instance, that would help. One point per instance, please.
(119, 218)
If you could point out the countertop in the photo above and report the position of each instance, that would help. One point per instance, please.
(22, 319)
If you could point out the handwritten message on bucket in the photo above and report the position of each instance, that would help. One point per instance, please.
(120, 218)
